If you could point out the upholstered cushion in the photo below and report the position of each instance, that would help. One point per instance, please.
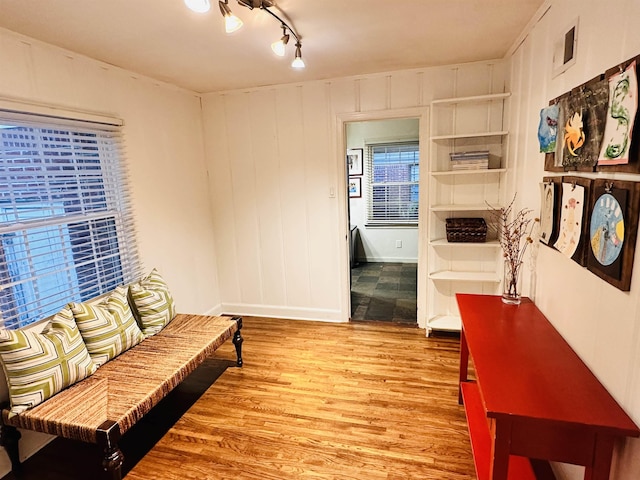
(152, 303)
(39, 365)
(108, 327)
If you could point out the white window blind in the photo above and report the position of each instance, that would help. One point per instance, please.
(393, 171)
(66, 224)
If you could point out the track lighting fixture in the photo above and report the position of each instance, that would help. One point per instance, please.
(233, 23)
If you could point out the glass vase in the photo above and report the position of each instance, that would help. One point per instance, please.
(511, 293)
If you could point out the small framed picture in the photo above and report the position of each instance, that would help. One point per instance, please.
(354, 161)
(355, 187)
(565, 49)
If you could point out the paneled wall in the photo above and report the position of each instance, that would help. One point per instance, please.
(165, 158)
(278, 182)
(600, 322)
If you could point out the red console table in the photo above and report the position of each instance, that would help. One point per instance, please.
(533, 396)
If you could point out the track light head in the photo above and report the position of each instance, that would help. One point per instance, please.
(199, 6)
(279, 46)
(231, 22)
(298, 63)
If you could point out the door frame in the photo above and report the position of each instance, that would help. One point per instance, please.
(422, 114)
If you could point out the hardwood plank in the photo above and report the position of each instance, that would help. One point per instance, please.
(313, 401)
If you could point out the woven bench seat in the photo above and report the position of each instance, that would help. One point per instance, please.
(102, 407)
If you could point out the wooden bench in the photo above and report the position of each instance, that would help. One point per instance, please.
(102, 407)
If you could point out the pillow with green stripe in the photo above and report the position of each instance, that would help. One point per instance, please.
(152, 303)
(108, 327)
(38, 365)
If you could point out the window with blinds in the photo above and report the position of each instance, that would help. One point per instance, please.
(66, 225)
(394, 175)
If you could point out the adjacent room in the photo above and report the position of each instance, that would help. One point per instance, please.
(328, 240)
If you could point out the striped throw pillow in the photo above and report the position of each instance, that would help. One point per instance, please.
(152, 303)
(40, 364)
(108, 327)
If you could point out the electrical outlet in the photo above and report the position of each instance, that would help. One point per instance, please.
(398, 243)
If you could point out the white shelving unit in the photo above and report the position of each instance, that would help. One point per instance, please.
(460, 125)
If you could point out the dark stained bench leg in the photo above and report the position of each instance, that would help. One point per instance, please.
(237, 340)
(108, 436)
(9, 439)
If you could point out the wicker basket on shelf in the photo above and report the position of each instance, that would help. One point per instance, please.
(470, 230)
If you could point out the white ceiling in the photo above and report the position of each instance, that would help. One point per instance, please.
(165, 40)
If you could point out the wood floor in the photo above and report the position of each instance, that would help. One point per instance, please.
(361, 401)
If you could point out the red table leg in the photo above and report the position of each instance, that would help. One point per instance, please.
(464, 364)
(500, 450)
(601, 464)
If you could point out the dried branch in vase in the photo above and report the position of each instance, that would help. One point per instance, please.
(514, 232)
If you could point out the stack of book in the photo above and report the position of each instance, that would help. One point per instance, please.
(469, 160)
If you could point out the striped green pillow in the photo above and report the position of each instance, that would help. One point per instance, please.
(152, 303)
(108, 327)
(38, 365)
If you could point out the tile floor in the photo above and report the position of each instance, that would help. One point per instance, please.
(385, 292)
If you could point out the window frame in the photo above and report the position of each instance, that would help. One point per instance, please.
(108, 221)
(370, 184)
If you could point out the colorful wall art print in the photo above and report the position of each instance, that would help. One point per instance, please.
(606, 230)
(571, 214)
(574, 135)
(613, 228)
(548, 128)
(547, 211)
(621, 113)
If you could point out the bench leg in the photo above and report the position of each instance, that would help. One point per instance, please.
(237, 340)
(108, 435)
(112, 463)
(10, 439)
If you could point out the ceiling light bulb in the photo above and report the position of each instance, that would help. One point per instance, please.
(231, 22)
(200, 6)
(298, 62)
(279, 46)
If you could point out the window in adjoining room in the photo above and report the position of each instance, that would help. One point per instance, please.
(66, 226)
(394, 175)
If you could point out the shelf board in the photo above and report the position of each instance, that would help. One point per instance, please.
(445, 173)
(499, 133)
(519, 467)
(489, 277)
(442, 242)
(448, 323)
(472, 99)
(478, 207)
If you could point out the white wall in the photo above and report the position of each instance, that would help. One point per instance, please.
(600, 322)
(164, 153)
(378, 243)
(279, 195)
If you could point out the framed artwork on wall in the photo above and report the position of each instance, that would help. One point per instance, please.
(550, 209)
(572, 232)
(355, 187)
(354, 161)
(622, 109)
(613, 228)
(565, 49)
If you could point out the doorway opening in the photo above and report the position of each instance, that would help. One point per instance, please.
(383, 184)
